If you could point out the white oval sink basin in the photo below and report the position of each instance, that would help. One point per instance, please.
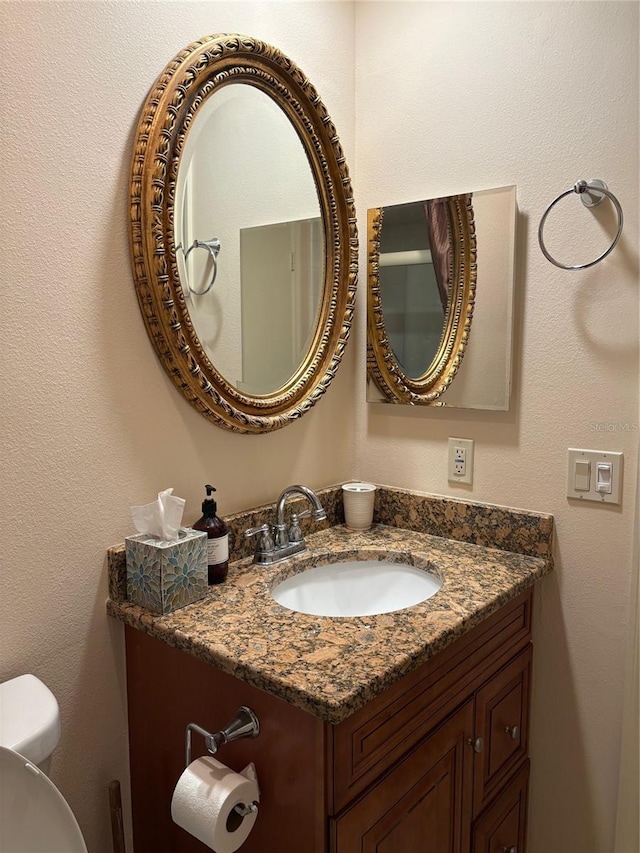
(357, 588)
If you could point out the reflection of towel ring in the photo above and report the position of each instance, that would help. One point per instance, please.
(213, 247)
(591, 194)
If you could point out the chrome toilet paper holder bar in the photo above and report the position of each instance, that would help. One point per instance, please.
(244, 724)
(243, 811)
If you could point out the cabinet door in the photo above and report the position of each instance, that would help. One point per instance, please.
(502, 827)
(502, 721)
(423, 805)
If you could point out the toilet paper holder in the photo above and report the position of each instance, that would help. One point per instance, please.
(244, 724)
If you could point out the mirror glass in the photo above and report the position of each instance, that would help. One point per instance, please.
(244, 244)
(419, 255)
(249, 212)
(414, 295)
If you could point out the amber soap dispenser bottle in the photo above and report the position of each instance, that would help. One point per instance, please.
(218, 541)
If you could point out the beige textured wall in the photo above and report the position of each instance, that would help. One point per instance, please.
(452, 96)
(90, 422)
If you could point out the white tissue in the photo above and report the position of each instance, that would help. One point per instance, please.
(162, 518)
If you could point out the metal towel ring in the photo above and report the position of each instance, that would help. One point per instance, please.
(592, 193)
(213, 247)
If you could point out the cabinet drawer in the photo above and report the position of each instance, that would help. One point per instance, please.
(374, 738)
(422, 804)
(502, 828)
(502, 721)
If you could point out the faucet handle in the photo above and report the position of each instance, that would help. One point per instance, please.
(295, 533)
(265, 543)
(281, 535)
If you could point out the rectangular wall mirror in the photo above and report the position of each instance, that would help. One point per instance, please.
(440, 280)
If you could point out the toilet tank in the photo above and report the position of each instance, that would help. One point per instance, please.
(29, 719)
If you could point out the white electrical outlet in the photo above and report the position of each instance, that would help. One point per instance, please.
(460, 460)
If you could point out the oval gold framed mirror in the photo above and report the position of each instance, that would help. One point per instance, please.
(425, 254)
(245, 257)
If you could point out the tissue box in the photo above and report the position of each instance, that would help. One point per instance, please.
(163, 576)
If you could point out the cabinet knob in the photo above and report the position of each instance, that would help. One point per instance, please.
(512, 849)
(477, 743)
(514, 734)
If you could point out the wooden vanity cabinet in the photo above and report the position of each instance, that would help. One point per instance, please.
(435, 764)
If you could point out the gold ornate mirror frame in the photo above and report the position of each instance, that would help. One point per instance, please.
(195, 74)
(382, 365)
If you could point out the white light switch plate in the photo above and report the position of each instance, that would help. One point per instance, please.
(594, 457)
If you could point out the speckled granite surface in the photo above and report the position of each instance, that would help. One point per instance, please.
(515, 530)
(330, 667)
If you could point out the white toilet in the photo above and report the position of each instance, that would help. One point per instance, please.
(34, 816)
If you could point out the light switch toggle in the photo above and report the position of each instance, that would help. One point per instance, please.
(582, 475)
(603, 477)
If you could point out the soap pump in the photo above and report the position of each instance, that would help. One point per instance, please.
(218, 541)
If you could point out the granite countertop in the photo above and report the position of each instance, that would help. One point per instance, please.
(331, 667)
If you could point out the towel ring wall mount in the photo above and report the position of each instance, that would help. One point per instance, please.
(591, 194)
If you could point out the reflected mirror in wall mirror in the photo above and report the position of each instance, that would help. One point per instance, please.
(243, 233)
(440, 300)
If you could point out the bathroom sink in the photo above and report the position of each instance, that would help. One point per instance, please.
(356, 588)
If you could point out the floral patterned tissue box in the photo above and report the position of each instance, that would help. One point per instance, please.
(163, 576)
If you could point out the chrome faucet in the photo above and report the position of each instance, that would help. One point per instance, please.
(280, 542)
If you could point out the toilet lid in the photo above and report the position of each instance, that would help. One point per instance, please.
(29, 718)
(34, 816)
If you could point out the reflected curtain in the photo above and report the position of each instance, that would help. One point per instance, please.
(436, 214)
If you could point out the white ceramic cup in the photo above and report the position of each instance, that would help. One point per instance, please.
(358, 500)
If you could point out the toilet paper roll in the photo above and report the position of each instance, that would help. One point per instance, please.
(204, 803)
